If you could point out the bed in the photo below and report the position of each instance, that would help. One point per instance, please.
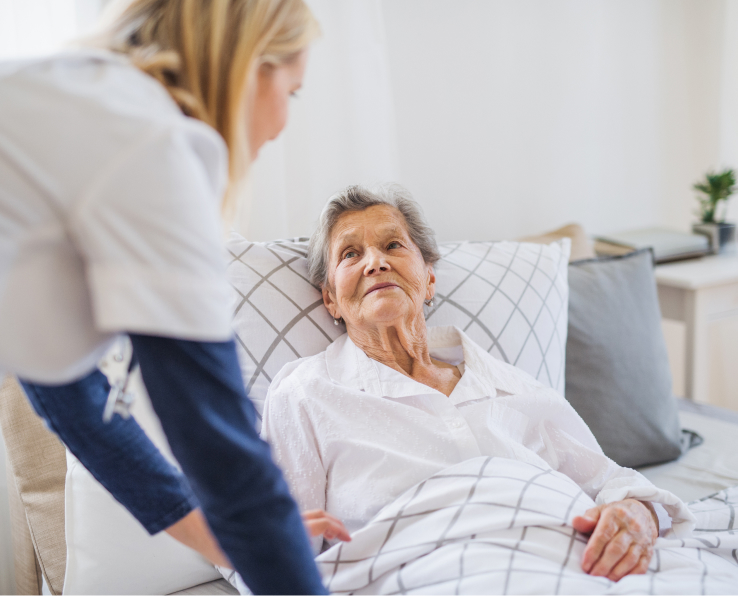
(38, 463)
(704, 470)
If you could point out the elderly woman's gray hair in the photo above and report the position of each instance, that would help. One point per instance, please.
(359, 198)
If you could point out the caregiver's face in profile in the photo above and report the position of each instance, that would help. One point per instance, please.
(274, 86)
(376, 273)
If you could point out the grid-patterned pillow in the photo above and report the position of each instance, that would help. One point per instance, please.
(509, 297)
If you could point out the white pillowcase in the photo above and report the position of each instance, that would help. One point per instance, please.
(510, 297)
(108, 551)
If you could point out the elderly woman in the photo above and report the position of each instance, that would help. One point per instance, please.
(393, 401)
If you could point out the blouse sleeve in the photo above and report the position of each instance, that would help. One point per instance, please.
(148, 226)
(567, 444)
(287, 427)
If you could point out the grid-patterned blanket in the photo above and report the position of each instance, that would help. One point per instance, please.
(493, 525)
(497, 526)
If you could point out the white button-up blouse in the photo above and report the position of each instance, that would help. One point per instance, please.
(351, 434)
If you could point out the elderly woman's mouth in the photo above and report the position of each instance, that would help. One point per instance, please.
(381, 286)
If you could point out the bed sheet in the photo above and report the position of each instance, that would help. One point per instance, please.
(702, 471)
(493, 525)
(707, 468)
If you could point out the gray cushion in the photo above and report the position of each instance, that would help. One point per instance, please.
(617, 368)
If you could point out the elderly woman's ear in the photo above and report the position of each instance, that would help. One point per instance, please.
(431, 291)
(330, 302)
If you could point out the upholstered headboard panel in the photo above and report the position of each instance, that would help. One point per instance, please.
(37, 469)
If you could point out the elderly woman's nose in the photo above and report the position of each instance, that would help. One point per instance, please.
(376, 262)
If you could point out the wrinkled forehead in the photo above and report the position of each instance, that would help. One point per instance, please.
(378, 221)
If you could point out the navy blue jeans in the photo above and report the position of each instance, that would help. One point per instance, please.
(198, 394)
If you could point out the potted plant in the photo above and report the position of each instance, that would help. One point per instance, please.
(715, 191)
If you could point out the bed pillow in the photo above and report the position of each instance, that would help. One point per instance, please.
(108, 551)
(582, 246)
(510, 297)
(617, 367)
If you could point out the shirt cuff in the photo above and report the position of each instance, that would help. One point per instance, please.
(663, 517)
(682, 520)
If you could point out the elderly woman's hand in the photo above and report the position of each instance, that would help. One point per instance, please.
(623, 535)
(318, 522)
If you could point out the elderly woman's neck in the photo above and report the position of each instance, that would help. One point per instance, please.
(402, 346)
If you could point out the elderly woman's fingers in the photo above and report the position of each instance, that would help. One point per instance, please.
(615, 550)
(318, 522)
(315, 514)
(620, 524)
(607, 528)
(628, 564)
(316, 527)
(588, 522)
(644, 563)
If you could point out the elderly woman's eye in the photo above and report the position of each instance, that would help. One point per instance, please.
(350, 254)
(394, 245)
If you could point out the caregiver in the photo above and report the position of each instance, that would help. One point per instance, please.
(115, 164)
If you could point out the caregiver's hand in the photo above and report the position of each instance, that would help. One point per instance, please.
(623, 534)
(319, 522)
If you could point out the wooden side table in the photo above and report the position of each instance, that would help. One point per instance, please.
(698, 293)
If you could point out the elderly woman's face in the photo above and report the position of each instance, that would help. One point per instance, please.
(376, 274)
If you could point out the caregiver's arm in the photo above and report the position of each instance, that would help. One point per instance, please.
(198, 393)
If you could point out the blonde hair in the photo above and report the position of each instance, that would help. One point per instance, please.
(206, 53)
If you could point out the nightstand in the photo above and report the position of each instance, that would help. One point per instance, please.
(700, 293)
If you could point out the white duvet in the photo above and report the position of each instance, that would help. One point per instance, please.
(497, 526)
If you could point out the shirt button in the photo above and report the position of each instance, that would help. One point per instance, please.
(457, 424)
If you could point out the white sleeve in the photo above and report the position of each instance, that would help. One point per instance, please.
(150, 233)
(568, 446)
(664, 518)
(287, 427)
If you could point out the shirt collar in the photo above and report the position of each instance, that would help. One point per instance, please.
(350, 366)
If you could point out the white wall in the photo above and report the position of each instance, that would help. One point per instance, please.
(341, 128)
(509, 117)
(514, 117)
